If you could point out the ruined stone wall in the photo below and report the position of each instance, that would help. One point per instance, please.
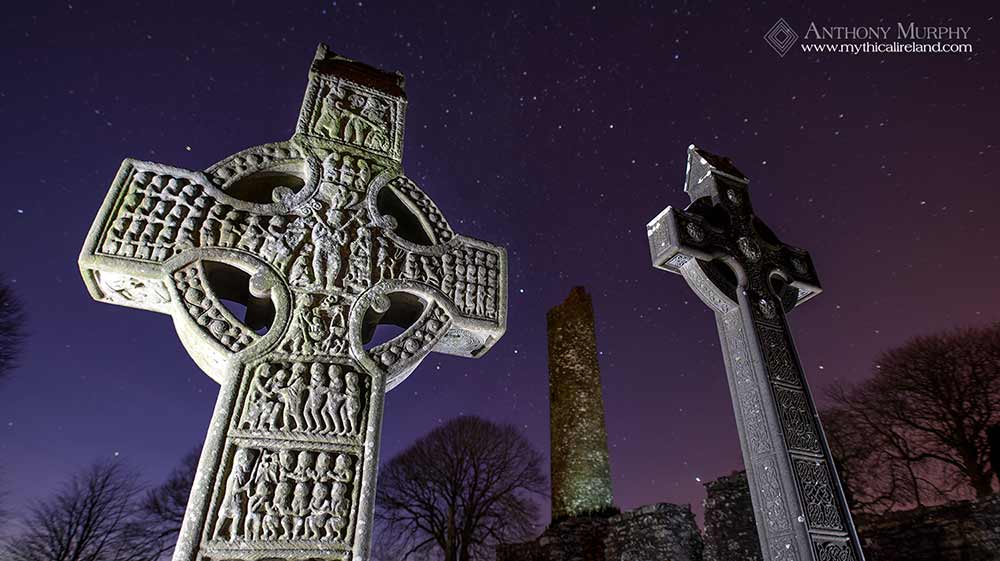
(958, 531)
(578, 538)
(581, 475)
(658, 532)
(730, 530)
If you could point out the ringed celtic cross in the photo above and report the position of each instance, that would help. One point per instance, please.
(321, 238)
(741, 270)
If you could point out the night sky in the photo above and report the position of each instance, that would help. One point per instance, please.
(557, 130)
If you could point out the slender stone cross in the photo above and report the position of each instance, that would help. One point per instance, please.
(321, 238)
(740, 269)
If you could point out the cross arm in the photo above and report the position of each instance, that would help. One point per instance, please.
(676, 236)
(798, 272)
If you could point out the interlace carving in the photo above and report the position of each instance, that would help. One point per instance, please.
(817, 490)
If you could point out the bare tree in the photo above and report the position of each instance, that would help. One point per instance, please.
(917, 430)
(161, 512)
(872, 468)
(458, 491)
(90, 519)
(11, 328)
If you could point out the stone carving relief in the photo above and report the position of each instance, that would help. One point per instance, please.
(747, 391)
(286, 495)
(318, 326)
(123, 288)
(783, 549)
(833, 551)
(769, 489)
(817, 490)
(440, 231)
(419, 337)
(305, 398)
(353, 114)
(796, 420)
(780, 363)
(749, 248)
(205, 309)
(468, 276)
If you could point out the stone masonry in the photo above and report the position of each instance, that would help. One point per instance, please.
(658, 532)
(957, 531)
(730, 532)
(581, 475)
(654, 532)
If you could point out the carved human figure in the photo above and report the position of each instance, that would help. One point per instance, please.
(315, 398)
(300, 508)
(267, 469)
(229, 235)
(253, 236)
(301, 273)
(303, 467)
(318, 506)
(271, 406)
(372, 110)
(427, 265)
(342, 469)
(271, 526)
(334, 401)
(259, 397)
(232, 509)
(290, 393)
(317, 332)
(338, 512)
(323, 472)
(354, 129)
(352, 403)
(359, 267)
(283, 507)
(410, 267)
(448, 270)
(328, 121)
(256, 510)
(386, 260)
(338, 321)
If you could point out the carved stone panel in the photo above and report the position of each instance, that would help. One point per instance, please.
(292, 498)
(818, 494)
(767, 480)
(778, 356)
(833, 551)
(349, 112)
(751, 406)
(797, 420)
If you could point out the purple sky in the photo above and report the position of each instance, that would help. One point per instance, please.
(557, 130)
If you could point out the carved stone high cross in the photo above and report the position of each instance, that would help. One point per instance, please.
(740, 269)
(322, 238)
